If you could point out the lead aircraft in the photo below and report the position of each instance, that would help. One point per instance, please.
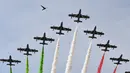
(79, 15)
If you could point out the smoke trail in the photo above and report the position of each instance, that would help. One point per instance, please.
(53, 70)
(101, 64)
(69, 61)
(41, 61)
(10, 69)
(115, 69)
(84, 69)
(27, 65)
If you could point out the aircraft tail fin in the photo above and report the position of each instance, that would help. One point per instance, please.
(77, 21)
(27, 54)
(117, 63)
(11, 64)
(105, 50)
(43, 43)
(93, 37)
(59, 33)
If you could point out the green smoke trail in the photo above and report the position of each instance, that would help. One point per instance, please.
(10, 69)
(41, 61)
(27, 65)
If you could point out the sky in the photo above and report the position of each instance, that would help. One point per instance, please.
(21, 20)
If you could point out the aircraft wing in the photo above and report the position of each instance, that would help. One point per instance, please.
(16, 61)
(49, 39)
(99, 33)
(73, 15)
(54, 27)
(33, 50)
(84, 16)
(101, 45)
(4, 60)
(42, 6)
(114, 59)
(38, 38)
(88, 31)
(112, 46)
(21, 49)
(67, 29)
(125, 60)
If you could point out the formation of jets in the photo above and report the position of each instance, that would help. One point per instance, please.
(43, 39)
(60, 28)
(10, 60)
(107, 45)
(27, 50)
(119, 60)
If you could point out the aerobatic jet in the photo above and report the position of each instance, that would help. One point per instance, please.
(107, 45)
(27, 50)
(60, 28)
(10, 60)
(93, 32)
(119, 60)
(44, 38)
(79, 15)
(43, 8)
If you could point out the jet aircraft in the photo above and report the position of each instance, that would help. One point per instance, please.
(93, 32)
(60, 28)
(44, 38)
(79, 15)
(27, 50)
(107, 45)
(119, 60)
(43, 8)
(10, 60)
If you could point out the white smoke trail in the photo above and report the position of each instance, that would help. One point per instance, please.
(53, 70)
(69, 61)
(84, 69)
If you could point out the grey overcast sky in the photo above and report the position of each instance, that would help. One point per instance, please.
(21, 20)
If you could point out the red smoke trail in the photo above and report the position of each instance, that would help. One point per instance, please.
(115, 69)
(101, 64)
